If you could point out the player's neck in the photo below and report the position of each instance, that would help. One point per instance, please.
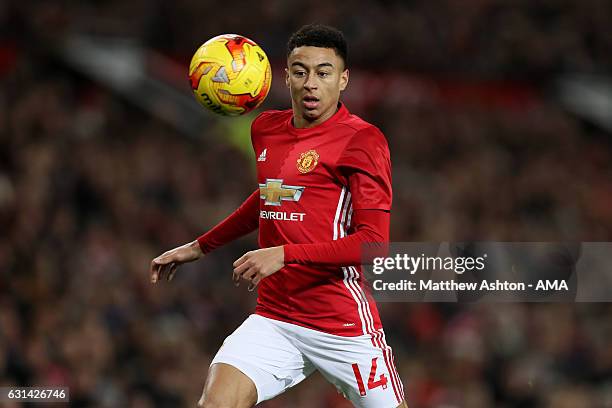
(301, 122)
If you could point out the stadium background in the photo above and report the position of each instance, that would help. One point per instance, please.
(490, 136)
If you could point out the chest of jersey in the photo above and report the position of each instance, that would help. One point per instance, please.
(299, 185)
(309, 162)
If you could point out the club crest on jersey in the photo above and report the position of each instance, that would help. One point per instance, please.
(307, 161)
(274, 191)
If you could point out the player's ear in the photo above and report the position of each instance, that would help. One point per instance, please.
(344, 78)
(287, 77)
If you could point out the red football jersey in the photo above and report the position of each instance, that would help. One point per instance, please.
(310, 181)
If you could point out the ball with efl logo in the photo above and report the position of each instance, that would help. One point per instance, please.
(230, 75)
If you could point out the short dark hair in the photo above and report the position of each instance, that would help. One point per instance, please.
(319, 35)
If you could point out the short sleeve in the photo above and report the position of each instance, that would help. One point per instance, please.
(366, 164)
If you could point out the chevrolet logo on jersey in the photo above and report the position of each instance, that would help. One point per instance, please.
(274, 192)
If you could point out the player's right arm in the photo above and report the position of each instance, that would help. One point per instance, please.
(241, 222)
(166, 264)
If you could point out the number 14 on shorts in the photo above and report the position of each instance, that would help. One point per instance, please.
(381, 382)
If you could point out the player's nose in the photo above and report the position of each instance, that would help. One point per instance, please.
(311, 82)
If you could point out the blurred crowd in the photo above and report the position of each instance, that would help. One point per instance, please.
(91, 189)
(529, 39)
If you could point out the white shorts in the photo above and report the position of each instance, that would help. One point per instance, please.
(276, 356)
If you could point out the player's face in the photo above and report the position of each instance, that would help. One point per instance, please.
(315, 77)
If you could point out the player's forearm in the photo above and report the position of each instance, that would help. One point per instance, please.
(372, 226)
(241, 222)
(342, 252)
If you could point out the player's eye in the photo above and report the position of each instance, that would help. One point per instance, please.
(299, 73)
(323, 74)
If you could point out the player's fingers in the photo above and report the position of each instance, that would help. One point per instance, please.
(161, 260)
(241, 260)
(155, 272)
(242, 268)
(161, 272)
(250, 273)
(239, 276)
(152, 268)
(254, 283)
(164, 271)
(172, 272)
(236, 278)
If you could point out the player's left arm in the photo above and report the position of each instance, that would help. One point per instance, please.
(371, 230)
(366, 165)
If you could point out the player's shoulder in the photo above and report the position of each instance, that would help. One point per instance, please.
(270, 119)
(363, 131)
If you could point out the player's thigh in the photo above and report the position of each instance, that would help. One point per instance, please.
(362, 368)
(264, 352)
(226, 386)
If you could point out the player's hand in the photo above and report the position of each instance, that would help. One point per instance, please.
(258, 264)
(166, 264)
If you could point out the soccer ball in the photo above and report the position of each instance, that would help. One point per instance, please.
(230, 75)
